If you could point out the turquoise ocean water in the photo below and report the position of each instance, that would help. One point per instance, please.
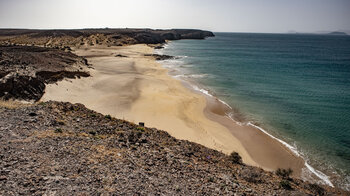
(296, 87)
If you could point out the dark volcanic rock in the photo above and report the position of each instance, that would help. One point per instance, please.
(21, 87)
(158, 47)
(120, 55)
(24, 70)
(160, 57)
(58, 148)
(193, 34)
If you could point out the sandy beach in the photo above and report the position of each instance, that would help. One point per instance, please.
(138, 89)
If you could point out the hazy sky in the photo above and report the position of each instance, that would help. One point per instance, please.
(215, 15)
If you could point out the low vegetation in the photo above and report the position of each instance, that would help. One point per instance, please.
(284, 173)
(285, 184)
(235, 158)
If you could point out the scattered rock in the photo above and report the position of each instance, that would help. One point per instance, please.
(160, 57)
(120, 55)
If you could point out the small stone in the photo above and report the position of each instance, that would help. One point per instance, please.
(3, 178)
(32, 114)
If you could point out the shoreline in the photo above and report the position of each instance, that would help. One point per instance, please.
(267, 151)
(138, 91)
(221, 112)
(304, 170)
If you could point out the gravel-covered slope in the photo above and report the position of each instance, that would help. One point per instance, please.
(56, 148)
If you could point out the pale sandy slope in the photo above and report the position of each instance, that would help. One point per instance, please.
(138, 89)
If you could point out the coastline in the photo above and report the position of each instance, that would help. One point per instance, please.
(138, 89)
(231, 117)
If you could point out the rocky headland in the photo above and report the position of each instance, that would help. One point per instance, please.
(91, 37)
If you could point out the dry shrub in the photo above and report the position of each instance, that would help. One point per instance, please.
(315, 188)
(11, 104)
(284, 173)
(235, 158)
(252, 175)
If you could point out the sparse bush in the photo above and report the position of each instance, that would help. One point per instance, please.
(42, 103)
(108, 117)
(286, 185)
(140, 128)
(284, 173)
(315, 188)
(58, 130)
(251, 175)
(235, 158)
(93, 115)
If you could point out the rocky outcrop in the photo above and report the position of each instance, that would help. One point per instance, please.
(193, 34)
(56, 148)
(24, 70)
(160, 57)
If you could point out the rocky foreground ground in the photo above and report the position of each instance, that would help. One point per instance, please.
(57, 148)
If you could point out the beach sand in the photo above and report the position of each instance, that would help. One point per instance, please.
(138, 89)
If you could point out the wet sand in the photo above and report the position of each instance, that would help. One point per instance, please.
(138, 89)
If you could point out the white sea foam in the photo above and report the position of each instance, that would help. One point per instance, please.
(197, 75)
(206, 92)
(202, 90)
(194, 75)
(319, 174)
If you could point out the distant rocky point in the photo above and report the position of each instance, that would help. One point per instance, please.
(319, 33)
(337, 33)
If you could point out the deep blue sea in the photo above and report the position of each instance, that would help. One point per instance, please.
(296, 87)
